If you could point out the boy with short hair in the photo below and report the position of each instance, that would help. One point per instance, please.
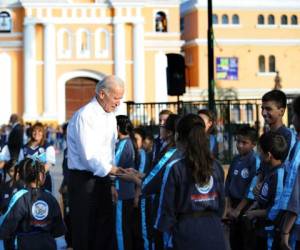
(240, 174)
(273, 150)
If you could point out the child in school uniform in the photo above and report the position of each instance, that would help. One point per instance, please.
(143, 205)
(33, 215)
(209, 120)
(38, 148)
(127, 156)
(289, 215)
(241, 172)
(151, 182)
(273, 149)
(192, 192)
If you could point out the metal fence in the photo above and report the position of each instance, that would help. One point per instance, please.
(230, 115)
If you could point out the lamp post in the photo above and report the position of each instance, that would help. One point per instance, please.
(210, 48)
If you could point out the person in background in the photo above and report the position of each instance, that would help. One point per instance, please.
(39, 149)
(210, 128)
(159, 141)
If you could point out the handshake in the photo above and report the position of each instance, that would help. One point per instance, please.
(128, 174)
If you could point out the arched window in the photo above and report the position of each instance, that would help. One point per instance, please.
(64, 41)
(284, 20)
(294, 20)
(83, 43)
(261, 20)
(272, 63)
(235, 19)
(101, 43)
(225, 19)
(261, 64)
(5, 22)
(271, 20)
(161, 23)
(215, 19)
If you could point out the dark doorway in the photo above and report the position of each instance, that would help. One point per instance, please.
(79, 91)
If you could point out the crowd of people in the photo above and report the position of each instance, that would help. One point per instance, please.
(125, 190)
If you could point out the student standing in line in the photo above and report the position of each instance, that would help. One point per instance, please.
(127, 156)
(33, 215)
(290, 206)
(38, 148)
(241, 172)
(143, 205)
(273, 150)
(209, 119)
(192, 196)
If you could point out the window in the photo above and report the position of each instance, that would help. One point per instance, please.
(294, 20)
(161, 24)
(102, 43)
(272, 65)
(64, 43)
(215, 19)
(261, 20)
(271, 20)
(284, 20)
(225, 19)
(249, 112)
(261, 64)
(83, 43)
(5, 22)
(235, 19)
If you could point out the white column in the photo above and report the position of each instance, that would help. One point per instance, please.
(161, 93)
(30, 86)
(138, 62)
(119, 50)
(49, 72)
(120, 57)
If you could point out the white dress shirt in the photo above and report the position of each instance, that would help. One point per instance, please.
(91, 139)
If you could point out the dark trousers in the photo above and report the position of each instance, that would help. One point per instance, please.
(91, 211)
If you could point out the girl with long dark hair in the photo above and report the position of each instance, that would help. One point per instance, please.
(33, 215)
(192, 192)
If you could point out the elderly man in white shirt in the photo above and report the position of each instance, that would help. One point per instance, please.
(91, 138)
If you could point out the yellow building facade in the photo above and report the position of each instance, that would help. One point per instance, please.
(252, 40)
(51, 50)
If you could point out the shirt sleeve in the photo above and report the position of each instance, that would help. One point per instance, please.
(89, 144)
(58, 227)
(5, 155)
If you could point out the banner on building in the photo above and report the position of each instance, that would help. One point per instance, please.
(227, 68)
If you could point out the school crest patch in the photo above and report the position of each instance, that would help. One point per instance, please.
(205, 189)
(245, 173)
(40, 210)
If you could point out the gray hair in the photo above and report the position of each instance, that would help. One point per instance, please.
(108, 82)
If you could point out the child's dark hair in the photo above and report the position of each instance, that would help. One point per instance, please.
(140, 131)
(194, 139)
(125, 127)
(296, 106)
(276, 96)
(212, 118)
(248, 132)
(274, 143)
(29, 171)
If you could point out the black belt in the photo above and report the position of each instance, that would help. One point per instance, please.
(197, 214)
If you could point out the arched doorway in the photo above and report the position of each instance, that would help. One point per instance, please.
(79, 91)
